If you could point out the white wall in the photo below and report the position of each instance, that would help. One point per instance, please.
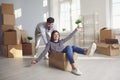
(32, 13)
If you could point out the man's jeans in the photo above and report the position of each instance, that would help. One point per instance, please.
(69, 50)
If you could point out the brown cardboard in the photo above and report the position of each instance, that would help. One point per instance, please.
(108, 49)
(7, 8)
(106, 34)
(24, 36)
(12, 51)
(12, 37)
(60, 61)
(8, 19)
(7, 27)
(3, 50)
(28, 48)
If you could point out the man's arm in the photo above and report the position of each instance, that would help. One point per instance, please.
(43, 32)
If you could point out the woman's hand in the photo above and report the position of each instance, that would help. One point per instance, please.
(33, 62)
(78, 27)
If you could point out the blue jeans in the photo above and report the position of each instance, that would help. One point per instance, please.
(69, 50)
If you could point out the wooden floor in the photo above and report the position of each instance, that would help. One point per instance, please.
(99, 67)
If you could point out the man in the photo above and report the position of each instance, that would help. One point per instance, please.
(44, 30)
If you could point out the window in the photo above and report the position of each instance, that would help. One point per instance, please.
(69, 12)
(75, 11)
(65, 16)
(45, 3)
(115, 14)
(45, 16)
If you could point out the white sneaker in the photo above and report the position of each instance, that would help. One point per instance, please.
(46, 57)
(76, 72)
(92, 49)
(35, 56)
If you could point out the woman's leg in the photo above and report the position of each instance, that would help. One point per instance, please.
(69, 53)
(79, 50)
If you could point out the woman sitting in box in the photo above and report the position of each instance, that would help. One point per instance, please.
(55, 44)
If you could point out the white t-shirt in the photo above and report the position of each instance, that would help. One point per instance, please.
(42, 30)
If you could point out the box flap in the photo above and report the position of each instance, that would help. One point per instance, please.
(115, 45)
(103, 28)
(24, 36)
(103, 45)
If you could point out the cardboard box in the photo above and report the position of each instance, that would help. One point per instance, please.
(108, 49)
(12, 51)
(12, 37)
(7, 27)
(59, 60)
(7, 8)
(4, 50)
(8, 19)
(24, 36)
(106, 34)
(28, 48)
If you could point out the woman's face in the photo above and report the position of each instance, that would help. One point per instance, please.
(56, 36)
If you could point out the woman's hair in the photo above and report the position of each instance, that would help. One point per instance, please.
(52, 38)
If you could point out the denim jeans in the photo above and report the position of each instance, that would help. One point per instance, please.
(69, 50)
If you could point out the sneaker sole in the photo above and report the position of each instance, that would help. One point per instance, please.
(76, 74)
(92, 49)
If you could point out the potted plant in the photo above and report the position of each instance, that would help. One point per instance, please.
(29, 38)
(78, 22)
(64, 29)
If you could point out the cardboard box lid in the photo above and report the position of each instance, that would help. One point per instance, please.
(12, 30)
(7, 27)
(104, 45)
(116, 46)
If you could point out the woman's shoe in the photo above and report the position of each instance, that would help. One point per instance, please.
(92, 49)
(76, 71)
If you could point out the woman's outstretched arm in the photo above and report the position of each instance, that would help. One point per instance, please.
(70, 35)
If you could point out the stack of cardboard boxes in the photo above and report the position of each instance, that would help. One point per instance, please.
(12, 46)
(111, 49)
(12, 37)
(27, 46)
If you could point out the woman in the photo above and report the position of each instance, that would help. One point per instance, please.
(55, 44)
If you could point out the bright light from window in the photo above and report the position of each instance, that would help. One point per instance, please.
(69, 13)
(20, 27)
(65, 16)
(45, 16)
(75, 11)
(18, 13)
(45, 3)
(115, 14)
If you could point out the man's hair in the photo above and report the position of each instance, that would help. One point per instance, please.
(50, 20)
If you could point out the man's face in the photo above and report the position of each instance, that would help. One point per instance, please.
(49, 26)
